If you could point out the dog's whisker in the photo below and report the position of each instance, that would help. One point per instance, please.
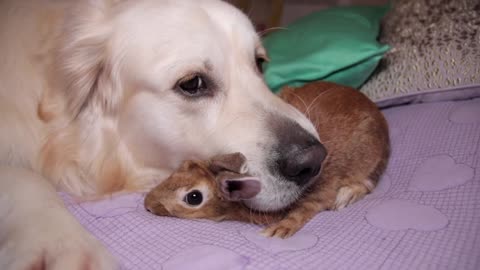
(268, 30)
(213, 132)
(307, 112)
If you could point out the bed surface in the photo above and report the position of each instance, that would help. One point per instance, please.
(425, 213)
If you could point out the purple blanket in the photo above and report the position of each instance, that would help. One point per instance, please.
(425, 213)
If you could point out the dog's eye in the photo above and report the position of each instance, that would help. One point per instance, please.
(259, 62)
(193, 198)
(193, 86)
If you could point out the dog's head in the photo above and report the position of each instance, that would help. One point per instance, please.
(180, 80)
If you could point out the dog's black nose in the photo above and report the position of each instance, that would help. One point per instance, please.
(298, 154)
(302, 165)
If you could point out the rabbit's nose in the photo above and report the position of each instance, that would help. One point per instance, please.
(153, 206)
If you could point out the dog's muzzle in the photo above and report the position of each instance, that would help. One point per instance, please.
(299, 154)
(302, 165)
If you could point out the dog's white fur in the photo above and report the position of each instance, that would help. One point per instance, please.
(89, 105)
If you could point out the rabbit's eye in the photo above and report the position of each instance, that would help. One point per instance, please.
(194, 198)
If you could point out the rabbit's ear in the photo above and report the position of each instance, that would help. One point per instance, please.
(241, 188)
(236, 163)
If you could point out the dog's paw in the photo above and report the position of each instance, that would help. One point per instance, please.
(55, 256)
(52, 249)
(75, 259)
(283, 229)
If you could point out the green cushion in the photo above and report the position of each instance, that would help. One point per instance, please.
(337, 45)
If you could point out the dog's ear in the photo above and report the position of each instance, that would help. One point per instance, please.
(83, 60)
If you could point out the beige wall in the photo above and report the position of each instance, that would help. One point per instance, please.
(263, 11)
(297, 8)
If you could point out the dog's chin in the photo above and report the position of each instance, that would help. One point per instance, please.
(274, 197)
(268, 204)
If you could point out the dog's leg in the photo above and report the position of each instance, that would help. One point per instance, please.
(37, 231)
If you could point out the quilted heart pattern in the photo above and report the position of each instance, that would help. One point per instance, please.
(206, 258)
(422, 215)
(466, 114)
(297, 242)
(440, 172)
(402, 215)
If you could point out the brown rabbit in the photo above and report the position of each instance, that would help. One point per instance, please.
(351, 128)
(209, 189)
(355, 134)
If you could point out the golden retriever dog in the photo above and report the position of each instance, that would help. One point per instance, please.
(107, 96)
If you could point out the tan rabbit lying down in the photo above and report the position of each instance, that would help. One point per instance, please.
(351, 128)
(209, 189)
